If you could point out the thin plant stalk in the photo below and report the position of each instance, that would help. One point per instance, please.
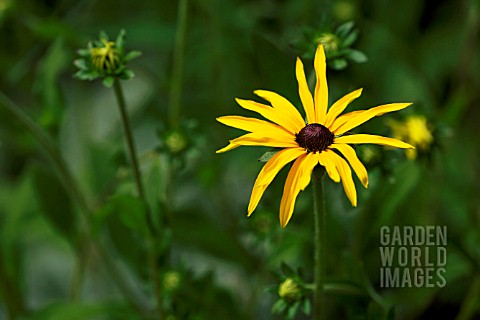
(138, 181)
(178, 57)
(132, 151)
(319, 244)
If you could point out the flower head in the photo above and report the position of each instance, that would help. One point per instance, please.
(337, 43)
(105, 59)
(289, 290)
(415, 131)
(322, 140)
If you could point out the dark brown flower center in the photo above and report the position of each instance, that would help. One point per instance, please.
(314, 137)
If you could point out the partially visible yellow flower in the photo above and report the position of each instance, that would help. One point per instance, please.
(289, 290)
(415, 131)
(321, 140)
(105, 59)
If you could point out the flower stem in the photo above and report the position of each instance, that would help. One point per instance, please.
(132, 152)
(152, 257)
(319, 243)
(178, 54)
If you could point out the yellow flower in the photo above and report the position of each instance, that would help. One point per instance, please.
(319, 141)
(414, 130)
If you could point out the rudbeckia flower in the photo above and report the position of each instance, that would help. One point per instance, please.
(322, 140)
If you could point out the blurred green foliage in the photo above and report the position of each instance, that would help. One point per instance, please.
(426, 52)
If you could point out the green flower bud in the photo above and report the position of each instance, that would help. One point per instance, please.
(175, 142)
(329, 41)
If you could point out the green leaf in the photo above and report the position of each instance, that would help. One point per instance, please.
(132, 55)
(344, 29)
(267, 156)
(54, 202)
(338, 64)
(131, 212)
(108, 81)
(356, 55)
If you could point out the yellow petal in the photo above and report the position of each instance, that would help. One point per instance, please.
(269, 171)
(329, 165)
(281, 104)
(374, 139)
(321, 87)
(346, 175)
(340, 121)
(269, 113)
(256, 125)
(369, 114)
(231, 146)
(340, 105)
(352, 158)
(259, 139)
(298, 178)
(304, 93)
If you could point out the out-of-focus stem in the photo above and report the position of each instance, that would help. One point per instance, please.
(138, 181)
(178, 56)
(319, 243)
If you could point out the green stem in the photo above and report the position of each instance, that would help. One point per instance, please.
(152, 258)
(132, 152)
(319, 243)
(178, 55)
(51, 150)
(79, 268)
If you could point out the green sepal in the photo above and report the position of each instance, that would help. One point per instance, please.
(84, 52)
(356, 55)
(344, 29)
(120, 41)
(306, 307)
(338, 64)
(279, 307)
(80, 64)
(132, 55)
(127, 74)
(350, 39)
(108, 81)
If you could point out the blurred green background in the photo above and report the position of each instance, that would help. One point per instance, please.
(211, 261)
